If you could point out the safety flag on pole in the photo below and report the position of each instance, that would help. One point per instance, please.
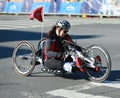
(38, 14)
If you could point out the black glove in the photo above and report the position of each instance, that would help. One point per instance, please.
(69, 59)
(78, 48)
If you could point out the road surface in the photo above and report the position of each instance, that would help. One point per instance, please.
(104, 32)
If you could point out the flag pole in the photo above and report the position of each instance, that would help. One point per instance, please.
(42, 30)
(42, 12)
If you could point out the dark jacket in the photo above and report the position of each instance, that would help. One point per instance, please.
(54, 46)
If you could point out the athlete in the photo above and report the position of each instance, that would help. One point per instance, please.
(54, 50)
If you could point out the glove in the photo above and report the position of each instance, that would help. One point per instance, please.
(69, 59)
(79, 48)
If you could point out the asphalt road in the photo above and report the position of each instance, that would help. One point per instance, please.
(104, 32)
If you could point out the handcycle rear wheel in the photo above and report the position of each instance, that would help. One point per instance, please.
(104, 63)
(24, 58)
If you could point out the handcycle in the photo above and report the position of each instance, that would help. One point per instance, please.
(94, 60)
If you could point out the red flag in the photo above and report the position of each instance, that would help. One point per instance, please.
(38, 14)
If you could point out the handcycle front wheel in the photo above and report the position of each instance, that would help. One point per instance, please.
(24, 58)
(102, 61)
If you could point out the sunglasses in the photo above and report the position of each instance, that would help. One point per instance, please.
(65, 30)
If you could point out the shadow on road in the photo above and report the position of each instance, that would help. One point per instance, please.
(113, 77)
(72, 76)
(15, 35)
(5, 52)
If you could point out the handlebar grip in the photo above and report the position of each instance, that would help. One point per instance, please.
(73, 45)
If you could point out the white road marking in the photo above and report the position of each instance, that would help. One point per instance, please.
(81, 87)
(74, 91)
(109, 84)
(73, 94)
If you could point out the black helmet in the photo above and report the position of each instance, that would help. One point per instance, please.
(63, 24)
